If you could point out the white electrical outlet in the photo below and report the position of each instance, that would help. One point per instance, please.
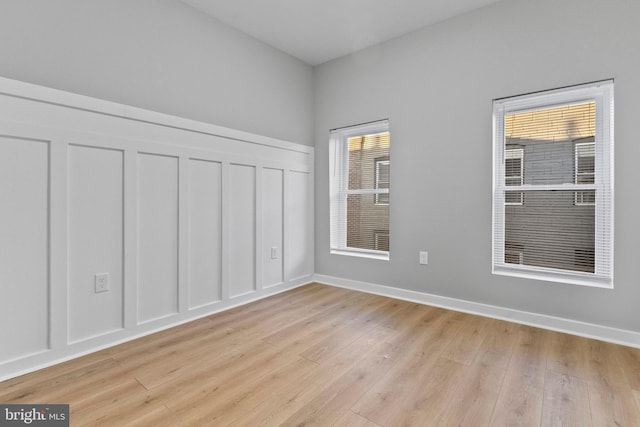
(424, 257)
(102, 282)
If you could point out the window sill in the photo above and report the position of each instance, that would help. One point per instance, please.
(378, 255)
(551, 275)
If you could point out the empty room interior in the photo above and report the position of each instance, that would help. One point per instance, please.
(332, 213)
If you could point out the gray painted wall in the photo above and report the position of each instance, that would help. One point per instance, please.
(160, 55)
(436, 86)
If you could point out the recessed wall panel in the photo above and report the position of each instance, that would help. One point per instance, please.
(299, 240)
(242, 226)
(157, 236)
(205, 232)
(272, 211)
(95, 226)
(24, 246)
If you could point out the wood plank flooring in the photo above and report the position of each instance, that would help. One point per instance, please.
(326, 356)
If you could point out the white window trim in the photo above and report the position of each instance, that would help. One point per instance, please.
(602, 94)
(339, 188)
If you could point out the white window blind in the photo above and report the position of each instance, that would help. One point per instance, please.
(359, 190)
(553, 185)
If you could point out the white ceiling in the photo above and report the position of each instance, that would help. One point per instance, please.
(317, 31)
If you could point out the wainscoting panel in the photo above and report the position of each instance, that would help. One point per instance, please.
(182, 216)
(272, 226)
(242, 230)
(205, 232)
(157, 236)
(95, 230)
(24, 245)
(299, 229)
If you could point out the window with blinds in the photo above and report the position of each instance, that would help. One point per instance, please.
(360, 182)
(553, 185)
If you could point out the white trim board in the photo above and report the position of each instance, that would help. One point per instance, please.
(558, 324)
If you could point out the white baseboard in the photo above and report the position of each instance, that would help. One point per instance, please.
(587, 330)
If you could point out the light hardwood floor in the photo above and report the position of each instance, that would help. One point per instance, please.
(320, 355)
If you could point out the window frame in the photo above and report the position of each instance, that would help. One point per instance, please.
(602, 94)
(339, 188)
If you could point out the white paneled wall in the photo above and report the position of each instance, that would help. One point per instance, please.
(272, 213)
(95, 230)
(186, 218)
(24, 246)
(297, 216)
(157, 236)
(242, 229)
(205, 232)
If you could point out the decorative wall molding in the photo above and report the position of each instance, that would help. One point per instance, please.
(180, 214)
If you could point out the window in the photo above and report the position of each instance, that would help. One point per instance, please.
(553, 185)
(381, 240)
(584, 259)
(513, 254)
(585, 171)
(359, 187)
(382, 180)
(514, 174)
